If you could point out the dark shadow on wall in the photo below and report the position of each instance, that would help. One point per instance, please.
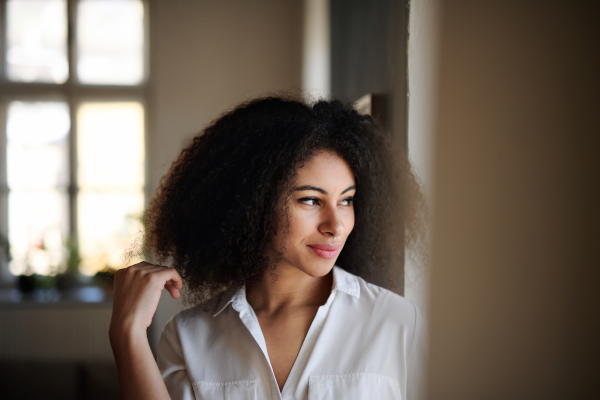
(368, 54)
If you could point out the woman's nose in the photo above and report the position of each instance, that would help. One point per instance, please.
(332, 222)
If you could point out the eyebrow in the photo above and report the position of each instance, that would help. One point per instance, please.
(316, 189)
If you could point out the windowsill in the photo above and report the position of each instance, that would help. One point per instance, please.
(88, 296)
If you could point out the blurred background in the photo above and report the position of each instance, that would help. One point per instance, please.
(495, 102)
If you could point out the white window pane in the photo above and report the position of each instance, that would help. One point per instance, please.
(110, 145)
(37, 144)
(37, 226)
(110, 42)
(36, 41)
(109, 222)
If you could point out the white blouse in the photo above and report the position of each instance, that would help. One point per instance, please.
(364, 343)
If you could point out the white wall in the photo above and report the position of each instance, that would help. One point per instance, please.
(422, 61)
(209, 55)
(206, 57)
(316, 57)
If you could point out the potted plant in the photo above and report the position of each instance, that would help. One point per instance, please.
(70, 278)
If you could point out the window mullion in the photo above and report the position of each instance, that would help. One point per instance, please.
(4, 274)
(71, 93)
(4, 24)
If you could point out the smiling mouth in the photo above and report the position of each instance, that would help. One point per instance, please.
(325, 251)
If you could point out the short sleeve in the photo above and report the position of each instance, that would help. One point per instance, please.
(417, 358)
(172, 364)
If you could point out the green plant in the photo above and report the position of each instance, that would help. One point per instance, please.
(5, 245)
(44, 282)
(73, 256)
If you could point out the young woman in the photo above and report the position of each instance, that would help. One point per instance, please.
(272, 219)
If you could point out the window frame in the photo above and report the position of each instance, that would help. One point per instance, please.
(74, 94)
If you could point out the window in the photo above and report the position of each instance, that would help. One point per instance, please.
(72, 131)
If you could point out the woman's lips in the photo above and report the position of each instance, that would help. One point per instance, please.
(325, 250)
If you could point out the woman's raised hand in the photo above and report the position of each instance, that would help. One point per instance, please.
(136, 294)
(135, 298)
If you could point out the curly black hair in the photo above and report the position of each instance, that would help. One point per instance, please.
(213, 215)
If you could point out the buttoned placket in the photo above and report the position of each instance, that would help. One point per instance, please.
(249, 319)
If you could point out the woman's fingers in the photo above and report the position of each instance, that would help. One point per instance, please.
(167, 275)
(174, 285)
(161, 276)
(137, 292)
(173, 291)
(142, 270)
(173, 282)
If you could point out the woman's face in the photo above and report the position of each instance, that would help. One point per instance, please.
(321, 216)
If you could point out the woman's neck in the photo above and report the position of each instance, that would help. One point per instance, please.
(288, 288)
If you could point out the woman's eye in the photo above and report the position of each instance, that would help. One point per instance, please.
(311, 201)
(347, 201)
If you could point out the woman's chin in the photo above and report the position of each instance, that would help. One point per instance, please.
(319, 269)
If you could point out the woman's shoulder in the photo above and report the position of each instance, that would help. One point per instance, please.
(203, 313)
(376, 312)
(383, 302)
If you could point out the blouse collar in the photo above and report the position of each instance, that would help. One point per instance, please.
(343, 281)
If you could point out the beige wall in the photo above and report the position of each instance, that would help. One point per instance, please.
(55, 332)
(209, 55)
(514, 308)
(206, 57)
